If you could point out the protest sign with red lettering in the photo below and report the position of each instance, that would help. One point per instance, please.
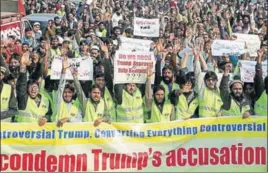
(131, 67)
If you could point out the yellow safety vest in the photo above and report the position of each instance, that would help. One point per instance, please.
(183, 110)
(210, 103)
(235, 109)
(109, 103)
(5, 97)
(175, 86)
(157, 116)
(131, 109)
(92, 113)
(261, 107)
(50, 96)
(33, 113)
(64, 112)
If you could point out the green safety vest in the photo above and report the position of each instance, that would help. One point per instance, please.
(183, 110)
(5, 97)
(33, 113)
(210, 103)
(64, 112)
(131, 109)
(235, 109)
(109, 105)
(92, 113)
(175, 86)
(261, 107)
(157, 116)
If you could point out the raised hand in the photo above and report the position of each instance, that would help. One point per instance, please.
(25, 59)
(150, 72)
(42, 121)
(65, 64)
(260, 56)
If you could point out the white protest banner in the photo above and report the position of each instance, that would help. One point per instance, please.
(84, 67)
(253, 42)
(146, 27)
(131, 44)
(131, 67)
(227, 47)
(247, 70)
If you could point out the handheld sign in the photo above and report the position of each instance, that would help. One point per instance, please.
(131, 67)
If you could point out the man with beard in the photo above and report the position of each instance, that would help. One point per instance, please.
(261, 88)
(167, 80)
(32, 106)
(159, 110)
(235, 103)
(54, 50)
(129, 103)
(99, 80)
(8, 101)
(14, 65)
(93, 107)
(185, 99)
(67, 106)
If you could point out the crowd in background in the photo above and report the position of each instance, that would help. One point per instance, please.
(94, 31)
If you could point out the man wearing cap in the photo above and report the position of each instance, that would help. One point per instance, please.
(67, 106)
(235, 102)
(37, 34)
(8, 103)
(32, 106)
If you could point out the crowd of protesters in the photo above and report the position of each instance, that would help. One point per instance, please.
(93, 30)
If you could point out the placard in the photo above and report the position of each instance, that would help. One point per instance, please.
(227, 47)
(247, 70)
(83, 65)
(131, 44)
(131, 67)
(253, 42)
(146, 27)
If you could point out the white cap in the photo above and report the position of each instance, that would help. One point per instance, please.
(95, 47)
(36, 23)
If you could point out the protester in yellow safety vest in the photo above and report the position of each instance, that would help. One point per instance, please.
(8, 102)
(208, 96)
(167, 81)
(32, 106)
(129, 103)
(261, 88)
(54, 50)
(106, 95)
(160, 111)
(235, 103)
(67, 106)
(93, 108)
(185, 99)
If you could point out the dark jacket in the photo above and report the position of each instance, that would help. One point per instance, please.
(258, 82)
